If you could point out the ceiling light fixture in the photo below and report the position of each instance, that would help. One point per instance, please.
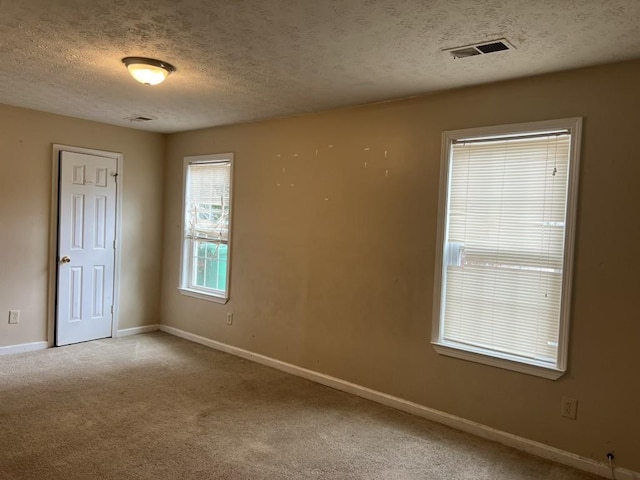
(148, 71)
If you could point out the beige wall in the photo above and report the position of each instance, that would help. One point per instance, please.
(26, 140)
(332, 263)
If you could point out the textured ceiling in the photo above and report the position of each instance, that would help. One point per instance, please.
(241, 60)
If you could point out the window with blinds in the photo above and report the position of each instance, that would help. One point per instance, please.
(505, 245)
(206, 225)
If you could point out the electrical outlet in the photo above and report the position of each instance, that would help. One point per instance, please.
(14, 316)
(229, 318)
(569, 408)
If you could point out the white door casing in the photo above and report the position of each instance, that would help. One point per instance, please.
(86, 247)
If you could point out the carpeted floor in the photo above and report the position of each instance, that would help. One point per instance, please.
(158, 407)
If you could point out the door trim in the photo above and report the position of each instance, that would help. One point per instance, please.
(53, 236)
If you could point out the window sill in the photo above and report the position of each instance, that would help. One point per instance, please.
(210, 297)
(538, 369)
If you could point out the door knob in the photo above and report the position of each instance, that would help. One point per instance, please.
(65, 259)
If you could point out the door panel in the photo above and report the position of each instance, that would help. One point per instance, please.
(86, 251)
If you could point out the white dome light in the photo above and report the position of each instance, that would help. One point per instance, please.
(148, 71)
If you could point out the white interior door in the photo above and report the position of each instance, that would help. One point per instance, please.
(86, 247)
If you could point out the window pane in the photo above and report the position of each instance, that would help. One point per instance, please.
(210, 265)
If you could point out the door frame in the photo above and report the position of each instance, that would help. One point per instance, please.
(53, 236)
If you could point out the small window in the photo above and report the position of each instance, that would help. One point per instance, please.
(206, 228)
(505, 245)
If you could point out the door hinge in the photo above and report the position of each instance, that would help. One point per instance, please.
(111, 309)
(114, 244)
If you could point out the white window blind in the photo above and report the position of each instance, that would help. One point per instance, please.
(208, 201)
(503, 250)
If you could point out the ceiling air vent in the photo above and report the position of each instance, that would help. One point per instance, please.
(465, 52)
(140, 118)
(480, 48)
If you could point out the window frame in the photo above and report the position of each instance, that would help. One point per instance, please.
(477, 354)
(186, 249)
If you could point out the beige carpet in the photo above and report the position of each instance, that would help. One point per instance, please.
(158, 407)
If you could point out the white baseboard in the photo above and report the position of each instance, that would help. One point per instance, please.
(23, 347)
(125, 332)
(530, 446)
(31, 347)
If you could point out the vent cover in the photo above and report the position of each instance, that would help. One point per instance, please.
(480, 48)
(140, 118)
